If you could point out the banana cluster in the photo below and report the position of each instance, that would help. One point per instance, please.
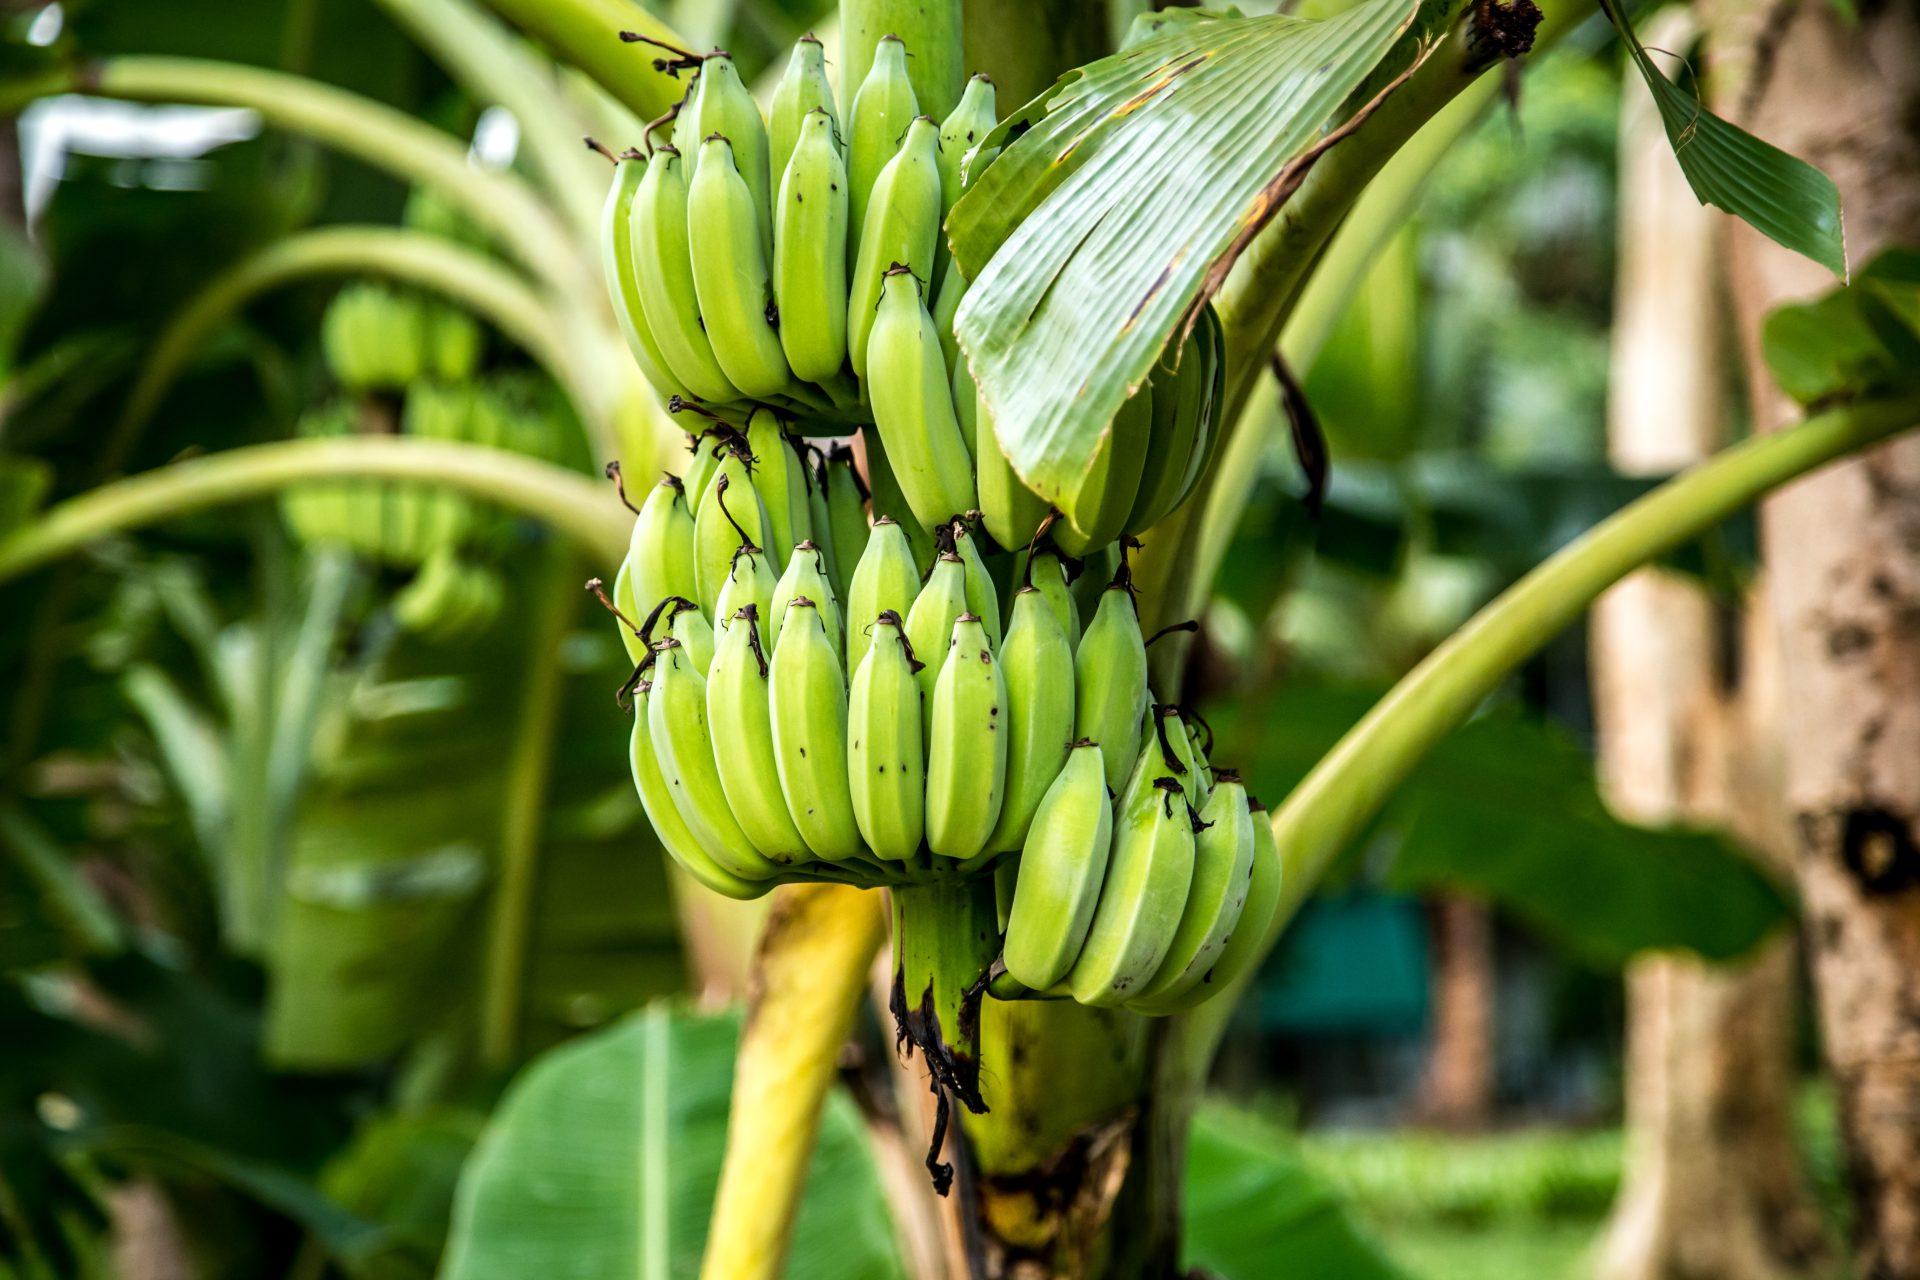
(796, 262)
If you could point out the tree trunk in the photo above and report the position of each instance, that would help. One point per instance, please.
(1713, 1187)
(1843, 556)
(1457, 1091)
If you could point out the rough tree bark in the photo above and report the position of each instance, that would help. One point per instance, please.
(1456, 1091)
(1843, 556)
(1713, 1187)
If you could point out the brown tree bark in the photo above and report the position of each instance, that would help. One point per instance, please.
(1843, 556)
(1457, 1090)
(1713, 1188)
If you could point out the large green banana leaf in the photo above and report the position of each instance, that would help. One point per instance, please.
(603, 1157)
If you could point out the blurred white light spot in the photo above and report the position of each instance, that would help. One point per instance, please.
(53, 128)
(46, 26)
(496, 138)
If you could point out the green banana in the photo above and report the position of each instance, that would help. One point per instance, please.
(1038, 668)
(663, 269)
(983, 597)
(677, 723)
(931, 620)
(1110, 682)
(902, 228)
(947, 297)
(1222, 870)
(806, 575)
(740, 717)
(705, 450)
(808, 696)
(846, 500)
(967, 758)
(676, 836)
(780, 478)
(730, 515)
(722, 105)
(913, 406)
(1246, 943)
(1171, 752)
(886, 580)
(965, 126)
(876, 122)
(803, 89)
(816, 475)
(750, 581)
(1142, 897)
(730, 273)
(810, 253)
(659, 559)
(1012, 512)
(888, 500)
(886, 770)
(623, 284)
(689, 628)
(1045, 572)
(1062, 866)
(1098, 512)
(1179, 401)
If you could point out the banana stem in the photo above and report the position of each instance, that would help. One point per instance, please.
(528, 771)
(581, 509)
(586, 33)
(809, 979)
(383, 137)
(1351, 783)
(495, 293)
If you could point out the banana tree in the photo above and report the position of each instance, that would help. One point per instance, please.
(1254, 164)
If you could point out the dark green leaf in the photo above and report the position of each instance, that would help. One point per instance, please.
(1252, 1209)
(603, 1158)
(23, 488)
(1860, 339)
(1782, 197)
(1091, 238)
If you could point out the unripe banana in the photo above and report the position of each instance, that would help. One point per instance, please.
(846, 500)
(886, 580)
(1110, 683)
(1142, 898)
(888, 500)
(983, 597)
(947, 297)
(809, 700)
(1222, 875)
(659, 559)
(967, 758)
(913, 406)
(703, 462)
(876, 122)
(1062, 867)
(803, 89)
(963, 129)
(806, 575)
(931, 619)
(1179, 401)
(1011, 511)
(885, 766)
(623, 285)
(677, 723)
(1038, 668)
(810, 253)
(731, 515)
(1045, 572)
(723, 105)
(1098, 513)
(663, 269)
(1246, 945)
(740, 717)
(682, 620)
(750, 581)
(780, 478)
(676, 836)
(902, 227)
(731, 273)
(1169, 750)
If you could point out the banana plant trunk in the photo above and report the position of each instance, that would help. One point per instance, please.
(1843, 558)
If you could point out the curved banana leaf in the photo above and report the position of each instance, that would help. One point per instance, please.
(1780, 196)
(1861, 339)
(603, 1157)
(1118, 200)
